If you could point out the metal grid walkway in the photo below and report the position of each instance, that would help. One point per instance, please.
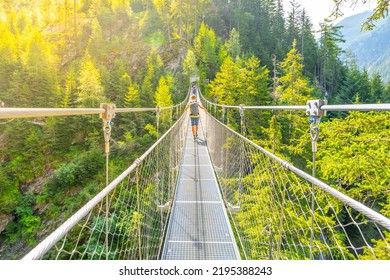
(199, 228)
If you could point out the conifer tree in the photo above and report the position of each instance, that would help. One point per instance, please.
(40, 73)
(163, 98)
(206, 49)
(386, 94)
(233, 45)
(8, 59)
(293, 19)
(153, 72)
(68, 99)
(190, 64)
(225, 88)
(96, 41)
(377, 89)
(132, 98)
(90, 88)
(293, 90)
(330, 70)
(254, 89)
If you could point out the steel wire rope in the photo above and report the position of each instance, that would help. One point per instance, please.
(48, 243)
(333, 193)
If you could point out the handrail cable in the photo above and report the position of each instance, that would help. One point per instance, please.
(11, 113)
(375, 216)
(344, 107)
(62, 230)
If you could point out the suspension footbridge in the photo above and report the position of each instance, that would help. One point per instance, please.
(220, 197)
(199, 227)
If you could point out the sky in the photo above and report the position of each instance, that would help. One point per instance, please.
(318, 10)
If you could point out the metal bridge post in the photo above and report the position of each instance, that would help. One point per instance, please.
(223, 113)
(138, 220)
(171, 115)
(242, 117)
(241, 172)
(314, 111)
(107, 117)
(158, 110)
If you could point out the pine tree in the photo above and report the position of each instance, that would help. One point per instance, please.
(153, 72)
(225, 88)
(255, 91)
(233, 46)
(330, 70)
(68, 99)
(132, 98)
(40, 74)
(206, 48)
(96, 43)
(163, 98)
(293, 19)
(365, 88)
(377, 89)
(190, 64)
(293, 90)
(308, 45)
(90, 88)
(278, 29)
(386, 94)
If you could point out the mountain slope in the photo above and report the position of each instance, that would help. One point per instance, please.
(372, 48)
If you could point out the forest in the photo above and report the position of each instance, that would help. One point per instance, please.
(142, 53)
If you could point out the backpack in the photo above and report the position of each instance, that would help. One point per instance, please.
(194, 108)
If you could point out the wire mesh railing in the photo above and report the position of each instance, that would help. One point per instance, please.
(138, 206)
(280, 212)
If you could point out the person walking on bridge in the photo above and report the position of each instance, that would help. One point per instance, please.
(194, 106)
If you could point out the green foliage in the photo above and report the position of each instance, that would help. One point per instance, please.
(233, 46)
(206, 48)
(132, 98)
(163, 98)
(9, 194)
(293, 88)
(90, 89)
(82, 53)
(380, 11)
(380, 249)
(24, 151)
(352, 154)
(26, 224)
(189, 64)
(153, 74)
(77, 172)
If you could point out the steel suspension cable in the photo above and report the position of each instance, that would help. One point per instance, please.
(375, 216)
(294, 206)
(43, 247)
(345, 107)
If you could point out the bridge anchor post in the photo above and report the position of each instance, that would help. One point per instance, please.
(316, 113)
(107, 117)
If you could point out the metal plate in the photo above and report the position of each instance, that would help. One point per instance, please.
(197, 190)
(199, 222)
(200, 251)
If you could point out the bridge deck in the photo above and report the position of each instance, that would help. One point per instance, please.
(199, 228)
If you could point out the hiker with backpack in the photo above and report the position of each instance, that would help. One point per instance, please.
(193, 90)
(194, 115)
